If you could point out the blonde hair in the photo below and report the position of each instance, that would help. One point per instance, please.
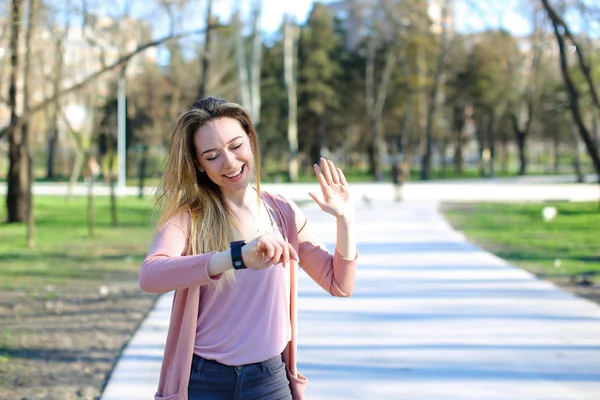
(184, 189)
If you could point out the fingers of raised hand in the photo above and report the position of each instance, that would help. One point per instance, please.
(326, 171)
(334, 172)
(342, 177)
(320, 175)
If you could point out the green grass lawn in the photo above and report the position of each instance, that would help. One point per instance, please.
(566, 246)
(64, 253)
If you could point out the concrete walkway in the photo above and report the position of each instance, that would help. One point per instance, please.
(432, 318)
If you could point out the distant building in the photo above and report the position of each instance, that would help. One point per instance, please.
(87, 49)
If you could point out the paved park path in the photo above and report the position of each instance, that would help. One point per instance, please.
(432, 318)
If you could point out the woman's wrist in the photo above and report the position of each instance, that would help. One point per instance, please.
(219, 263)
(345, 219)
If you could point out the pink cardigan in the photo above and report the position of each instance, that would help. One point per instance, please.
(332, 272)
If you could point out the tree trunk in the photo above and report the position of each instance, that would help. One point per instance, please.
(249, 76)
(91, 220)
(242, 65)
(375, 101)
(55, 109)
(319, 137)
(75, 171)
(521, 137)
(491, 141)
(572, 90)
(443, 147)
(576, 156)
(407, 126)
(433, 98)
(33, 5)
(142, 170)
(555, 146)
(255, 65)
(289, 57)
(504, 161)
(378, 150)
(482, 147)
(458, 123)
(595, 129)
(113, 194)
(18, 196)
(51, 147)
(205, 55)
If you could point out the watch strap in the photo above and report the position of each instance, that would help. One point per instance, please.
(236, 254)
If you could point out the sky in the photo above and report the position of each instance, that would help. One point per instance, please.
(470, 14)
(272, 11)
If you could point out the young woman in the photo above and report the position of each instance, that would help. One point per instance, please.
(226, 248)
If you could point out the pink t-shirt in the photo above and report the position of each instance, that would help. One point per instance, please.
(246, 322)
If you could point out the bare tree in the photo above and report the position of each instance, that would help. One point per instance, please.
(433, 97)
(31, 22)
(205, 56)
(376, 94)
(375, 100)
(532, 96)
(16, 198)
(18, 195)
(99, 73)
(562, 32)
(249, 75)
(55, 79)
(289, 61)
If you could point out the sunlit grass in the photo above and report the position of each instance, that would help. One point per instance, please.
(567, 245)
(65, 253)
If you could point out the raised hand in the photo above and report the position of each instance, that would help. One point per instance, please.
(336, 198)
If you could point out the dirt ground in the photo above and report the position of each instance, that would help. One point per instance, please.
(63, 346)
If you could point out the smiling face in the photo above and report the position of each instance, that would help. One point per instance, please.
(224, 153)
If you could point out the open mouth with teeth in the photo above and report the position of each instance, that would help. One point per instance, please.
(237, 175)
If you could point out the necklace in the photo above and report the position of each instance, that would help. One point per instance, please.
(257, 219)
(263, 227)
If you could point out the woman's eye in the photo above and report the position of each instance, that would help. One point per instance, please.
(237, 146)
(211, 158)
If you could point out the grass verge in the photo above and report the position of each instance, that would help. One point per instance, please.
(565, 249)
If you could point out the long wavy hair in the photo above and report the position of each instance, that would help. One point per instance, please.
(184, 189)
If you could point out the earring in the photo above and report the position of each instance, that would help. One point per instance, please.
(201, 171)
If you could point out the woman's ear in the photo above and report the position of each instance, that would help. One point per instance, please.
(198, 165)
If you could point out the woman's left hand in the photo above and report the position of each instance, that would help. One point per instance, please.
(336, 196)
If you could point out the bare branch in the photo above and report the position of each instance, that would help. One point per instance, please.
(558, 21)
(117, 64)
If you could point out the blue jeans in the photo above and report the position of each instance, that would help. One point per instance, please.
(211, 380)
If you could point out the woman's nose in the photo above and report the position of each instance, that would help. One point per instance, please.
(228, 159)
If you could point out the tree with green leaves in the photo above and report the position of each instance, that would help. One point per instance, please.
(492, 81)
(317, 71)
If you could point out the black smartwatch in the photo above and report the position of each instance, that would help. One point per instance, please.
(236, 254)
